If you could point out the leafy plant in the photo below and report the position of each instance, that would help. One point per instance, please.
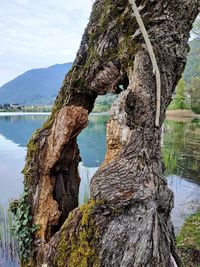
(23, 227)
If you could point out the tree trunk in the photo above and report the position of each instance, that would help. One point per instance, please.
(127, 221)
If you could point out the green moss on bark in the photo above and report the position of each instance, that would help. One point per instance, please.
(79, 247)
(32, 148)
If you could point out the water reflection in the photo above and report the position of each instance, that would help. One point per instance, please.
(92, 141)
(186, 199)
(12, 161)
(15, 132)
(181, 150)
(181, 153)
(19, 128)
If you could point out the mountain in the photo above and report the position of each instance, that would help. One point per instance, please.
(41, 86)
(35, 87)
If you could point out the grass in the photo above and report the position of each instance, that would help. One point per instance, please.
(8, 244)
(188, 241)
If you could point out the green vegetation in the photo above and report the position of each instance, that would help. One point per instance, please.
(23, 227)
(80, 246)
(10, 108)
(35, 90)
(193, 90)
(188, 241)
(193, 59)
(179, 100)
(192, 68)
(37, 108)
(188, 90)
(103, 103)
(187, 95)
(98, 108)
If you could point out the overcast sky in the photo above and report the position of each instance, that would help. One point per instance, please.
(39, 33)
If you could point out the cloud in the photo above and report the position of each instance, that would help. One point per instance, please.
(39, 33)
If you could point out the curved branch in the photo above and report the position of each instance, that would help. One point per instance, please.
(152, 57)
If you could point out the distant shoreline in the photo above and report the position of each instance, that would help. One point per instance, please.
(170, 114)
(182, 113)
(2, 113)
(23, 113)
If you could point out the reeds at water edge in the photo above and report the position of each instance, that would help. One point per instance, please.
(8, 243)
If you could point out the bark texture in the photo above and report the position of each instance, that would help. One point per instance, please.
(127, 221)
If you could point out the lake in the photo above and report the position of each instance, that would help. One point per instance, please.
(181, 154)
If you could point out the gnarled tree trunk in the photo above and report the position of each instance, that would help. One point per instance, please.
(127, 221)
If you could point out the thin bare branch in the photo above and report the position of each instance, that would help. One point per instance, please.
(152, 57)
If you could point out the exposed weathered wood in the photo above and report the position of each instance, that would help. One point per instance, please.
(127, 222)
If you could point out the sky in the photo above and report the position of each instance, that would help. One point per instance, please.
(39, 33)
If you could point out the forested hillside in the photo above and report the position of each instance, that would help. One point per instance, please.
(188, 90)
(192, 68)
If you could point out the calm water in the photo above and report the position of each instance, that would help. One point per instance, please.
(181, 150)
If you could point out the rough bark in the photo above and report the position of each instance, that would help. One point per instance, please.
(127, 221)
